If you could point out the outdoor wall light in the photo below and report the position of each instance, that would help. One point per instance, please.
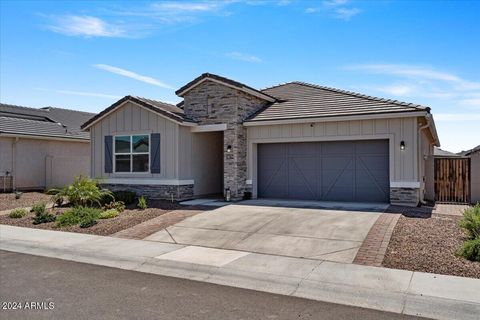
(402, 145)
(229, 148)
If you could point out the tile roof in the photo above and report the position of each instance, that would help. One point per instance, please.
(443, 153)
(230, 82)
(299, 100)
(49, 122)
(169, 110)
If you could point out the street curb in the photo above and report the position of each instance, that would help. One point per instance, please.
(402, 298)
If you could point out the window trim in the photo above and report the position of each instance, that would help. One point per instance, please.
(131, 153)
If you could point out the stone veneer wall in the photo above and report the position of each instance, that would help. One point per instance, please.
(181, 192)
(6, 183)
(405, 196)
(214, 103)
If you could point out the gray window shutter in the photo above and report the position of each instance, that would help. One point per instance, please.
(108, 154)
(155, 153)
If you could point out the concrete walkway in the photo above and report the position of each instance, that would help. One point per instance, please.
(399, 291)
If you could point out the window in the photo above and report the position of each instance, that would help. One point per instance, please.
(132, 153)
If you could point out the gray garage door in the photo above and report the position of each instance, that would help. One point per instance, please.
(333, 171)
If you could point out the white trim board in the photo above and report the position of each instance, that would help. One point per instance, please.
(43, 137)
(253, 123)
(150, 181)
(405, 184)
(209, 128)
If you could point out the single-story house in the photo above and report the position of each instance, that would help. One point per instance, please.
(41, 148)
(291, 141)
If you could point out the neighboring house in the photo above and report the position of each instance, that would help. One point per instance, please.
(291, 141)
(41, 148)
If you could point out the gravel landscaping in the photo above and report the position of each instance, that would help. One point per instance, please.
(126, 219)
(429, 245)
(27, 199)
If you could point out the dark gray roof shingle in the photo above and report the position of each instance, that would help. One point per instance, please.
(298, 100)
(49, 122)
(169, 110)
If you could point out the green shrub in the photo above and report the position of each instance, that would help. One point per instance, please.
(18, 213)
(39, 208)
(82, 192)
(44, 217)
(471, 222)
(77, 215)
(127, 197)
(68, 219)
(88, 222)
(142, 203)
(110, 213)
(18, 195)
(471, 250)
(117, 205)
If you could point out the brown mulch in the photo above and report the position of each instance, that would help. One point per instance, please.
(126, 219)
(27, 199)
(429, 245)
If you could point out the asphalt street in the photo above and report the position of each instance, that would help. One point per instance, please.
(47, 288)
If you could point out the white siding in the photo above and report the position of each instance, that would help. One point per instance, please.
(403, 164)
(133, 119)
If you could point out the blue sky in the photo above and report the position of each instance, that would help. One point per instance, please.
(86, 55)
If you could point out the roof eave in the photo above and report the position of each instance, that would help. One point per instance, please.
(403, 114)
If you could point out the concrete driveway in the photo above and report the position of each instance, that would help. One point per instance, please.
(333, 235)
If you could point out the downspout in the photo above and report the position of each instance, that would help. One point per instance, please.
(420, 129)
(14, 167)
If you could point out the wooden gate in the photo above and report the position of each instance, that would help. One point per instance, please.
(452, 180)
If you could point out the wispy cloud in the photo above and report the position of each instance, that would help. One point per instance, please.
(85, 26)
(457, 117)
(338, 9)
(346, 13)
(81, 93)
(243, 57)
(436, 87)
(132, 75)
(417, 73)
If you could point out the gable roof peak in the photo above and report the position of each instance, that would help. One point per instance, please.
(225, 81)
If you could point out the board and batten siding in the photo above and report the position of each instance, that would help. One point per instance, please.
(403, 164)
(133, 119)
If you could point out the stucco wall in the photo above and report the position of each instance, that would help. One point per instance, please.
(31, 160)
(133, 119)
(475, 176)
(5, 155)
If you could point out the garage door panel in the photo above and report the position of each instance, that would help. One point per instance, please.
(334, 171)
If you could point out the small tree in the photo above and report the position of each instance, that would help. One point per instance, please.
(82, 192)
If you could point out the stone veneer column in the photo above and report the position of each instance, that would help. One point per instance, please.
(214, 103)
(405, 196)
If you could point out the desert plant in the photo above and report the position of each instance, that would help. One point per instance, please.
(39, 208)
(88, 222)
(18, 213)
(470, 222)
(127, 197)
(78, 215)
(82, 192)
(43, 217)
(68, 219)
(470, 250)
(117, 205)
(18, 194)
(142, 203)
(110, 213)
